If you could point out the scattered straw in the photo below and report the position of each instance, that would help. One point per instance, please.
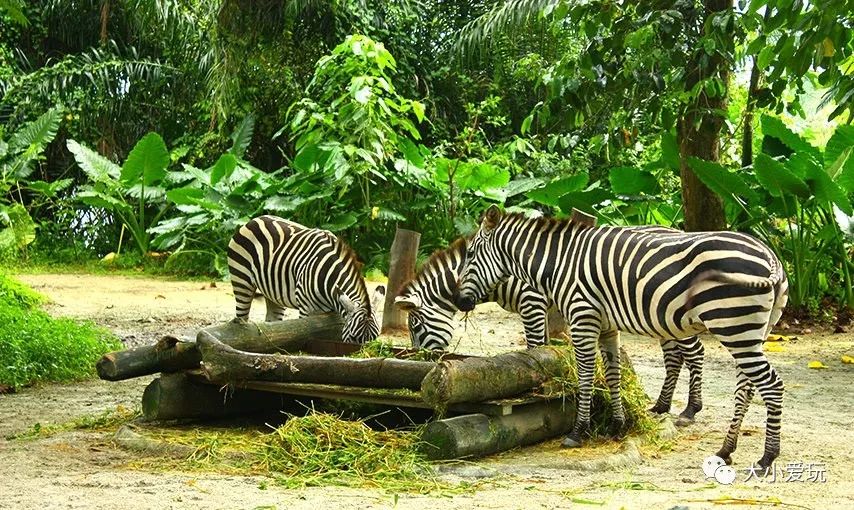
(314, 450)
(110, 419)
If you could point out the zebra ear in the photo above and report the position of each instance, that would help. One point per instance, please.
(346, 302)
(377, 297)
(407, 303)
(491, 218)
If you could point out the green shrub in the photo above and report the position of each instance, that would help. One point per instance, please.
(35, 347)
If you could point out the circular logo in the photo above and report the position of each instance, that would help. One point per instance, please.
(711, 464)
(725, 475)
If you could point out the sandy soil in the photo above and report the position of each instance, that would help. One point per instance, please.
(82, 470)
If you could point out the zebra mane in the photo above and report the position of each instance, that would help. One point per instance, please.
(545, 222)
(437, 259)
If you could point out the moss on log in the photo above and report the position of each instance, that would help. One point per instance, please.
(477, 379)
(477, 435)
(224, 364)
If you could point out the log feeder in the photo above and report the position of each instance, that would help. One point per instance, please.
(171, 354)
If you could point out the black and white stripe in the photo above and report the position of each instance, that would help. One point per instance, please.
(429, 301)
(663, 284)
(304, 268)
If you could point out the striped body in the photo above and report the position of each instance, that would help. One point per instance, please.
(660, 283)
(429, 301)
(298, 267)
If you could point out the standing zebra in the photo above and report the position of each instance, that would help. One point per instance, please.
(666, 285)
(304, 268)
(429, 299)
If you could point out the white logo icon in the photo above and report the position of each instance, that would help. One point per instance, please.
(715, 467)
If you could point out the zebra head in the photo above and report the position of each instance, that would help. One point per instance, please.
(431, 326)
(483, 267)
(360, 319)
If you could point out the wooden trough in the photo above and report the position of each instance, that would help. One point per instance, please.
(480, 405)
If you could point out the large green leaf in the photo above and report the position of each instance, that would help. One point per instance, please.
(839, 157)
(629, 180)
(777, 179)
(223, 168)
(825, 190)
(96, 167)
(21, 229)
(340, 222)
(720, 180)
(774, 127)
(281, 203)
(519, 186)
(586, 200)
(185, 196)
(147, 161)
(481, 176)
(552, 191)
(242, 136)
(670, 151)
(35, 135)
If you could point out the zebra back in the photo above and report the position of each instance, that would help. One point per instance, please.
(294, 266)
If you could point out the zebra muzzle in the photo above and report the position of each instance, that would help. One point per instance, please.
(465, 303)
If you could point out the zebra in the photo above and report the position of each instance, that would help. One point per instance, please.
(429, 301)
(666, 285)
(304, 268)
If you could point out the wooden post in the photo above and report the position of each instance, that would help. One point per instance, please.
(404, 250)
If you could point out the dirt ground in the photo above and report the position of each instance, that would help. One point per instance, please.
(83, 470)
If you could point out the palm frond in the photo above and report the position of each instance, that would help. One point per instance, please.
(476, 34)
(35, 135)
(14, 9)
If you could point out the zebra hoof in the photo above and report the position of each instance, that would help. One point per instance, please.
(618, 428)
(684, 421)
(659, 409)
(766, 462)
(571, 442)
(727, 458)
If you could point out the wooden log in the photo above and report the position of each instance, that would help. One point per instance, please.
(177, 396)
(476, 435)
(224, 364)
(477, 379)
(404, 251)
(171, 354)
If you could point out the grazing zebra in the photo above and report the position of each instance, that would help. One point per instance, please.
(429, 299)
(663, 284)
(304, 268)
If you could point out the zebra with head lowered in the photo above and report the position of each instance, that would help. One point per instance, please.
(429, 299)
(304, 268)
(666, 285)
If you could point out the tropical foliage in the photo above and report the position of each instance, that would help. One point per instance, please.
(177, 120)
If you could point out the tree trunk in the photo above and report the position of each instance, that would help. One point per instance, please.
(747, 122)
(176, 396)
(224, 364)
(477, 379)
(404, 250)
(476, 435)
(698, 133)
(172, 355)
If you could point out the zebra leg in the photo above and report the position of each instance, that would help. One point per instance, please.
(275, 312)
(244, 293)
(609, 348)
(692, 352)
(672, 367)
(533, 309)
(585, 328)
(743, 395)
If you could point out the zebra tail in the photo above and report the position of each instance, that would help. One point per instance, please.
(746, 280)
